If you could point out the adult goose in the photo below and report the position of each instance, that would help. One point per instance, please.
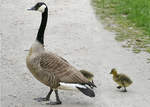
(51, 69)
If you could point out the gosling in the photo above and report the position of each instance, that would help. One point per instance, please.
(121, 79)
(88, 75)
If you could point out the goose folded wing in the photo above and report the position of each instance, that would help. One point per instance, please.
(62, 70)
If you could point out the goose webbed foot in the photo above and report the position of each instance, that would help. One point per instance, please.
(57, 99)
(54, 103)
(40, 99)
(118, 87)
(45, 98)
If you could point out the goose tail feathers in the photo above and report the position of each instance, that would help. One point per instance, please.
(86, 89)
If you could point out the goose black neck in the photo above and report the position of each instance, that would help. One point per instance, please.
(40, 35)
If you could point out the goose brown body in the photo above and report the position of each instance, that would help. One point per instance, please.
(51, 69)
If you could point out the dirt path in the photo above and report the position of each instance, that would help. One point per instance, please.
(74, 33)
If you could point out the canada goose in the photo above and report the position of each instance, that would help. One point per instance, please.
(51, 69)
(121, 79)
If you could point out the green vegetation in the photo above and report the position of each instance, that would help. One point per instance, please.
(130, 19)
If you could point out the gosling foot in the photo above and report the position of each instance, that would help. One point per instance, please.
(118, 87)
(124, 91)
(54, 103)
(40, 99)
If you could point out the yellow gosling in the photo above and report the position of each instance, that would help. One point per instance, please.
(121, 79)
(87, 74)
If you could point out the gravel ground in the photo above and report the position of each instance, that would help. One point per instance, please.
(74, 33)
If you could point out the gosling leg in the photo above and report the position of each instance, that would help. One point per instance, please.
(125, 90)
(57, 99)
(45, 98)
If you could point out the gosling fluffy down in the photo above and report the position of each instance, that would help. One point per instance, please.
(87, 74)
(121, 79)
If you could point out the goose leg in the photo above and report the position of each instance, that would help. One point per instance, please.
(45, 98)
(57, 99)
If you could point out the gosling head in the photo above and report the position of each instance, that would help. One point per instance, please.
(40, 6)
(113, 71)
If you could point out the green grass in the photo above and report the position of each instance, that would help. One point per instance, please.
(130, 19)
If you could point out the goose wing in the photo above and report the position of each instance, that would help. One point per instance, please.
(62, 70)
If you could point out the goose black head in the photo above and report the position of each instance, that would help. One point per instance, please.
(40, 6)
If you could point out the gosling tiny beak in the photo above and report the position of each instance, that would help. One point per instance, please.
(26, 50)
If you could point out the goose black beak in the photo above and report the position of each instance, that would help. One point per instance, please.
(33, 8)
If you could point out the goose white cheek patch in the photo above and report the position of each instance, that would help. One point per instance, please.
(42, 8)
